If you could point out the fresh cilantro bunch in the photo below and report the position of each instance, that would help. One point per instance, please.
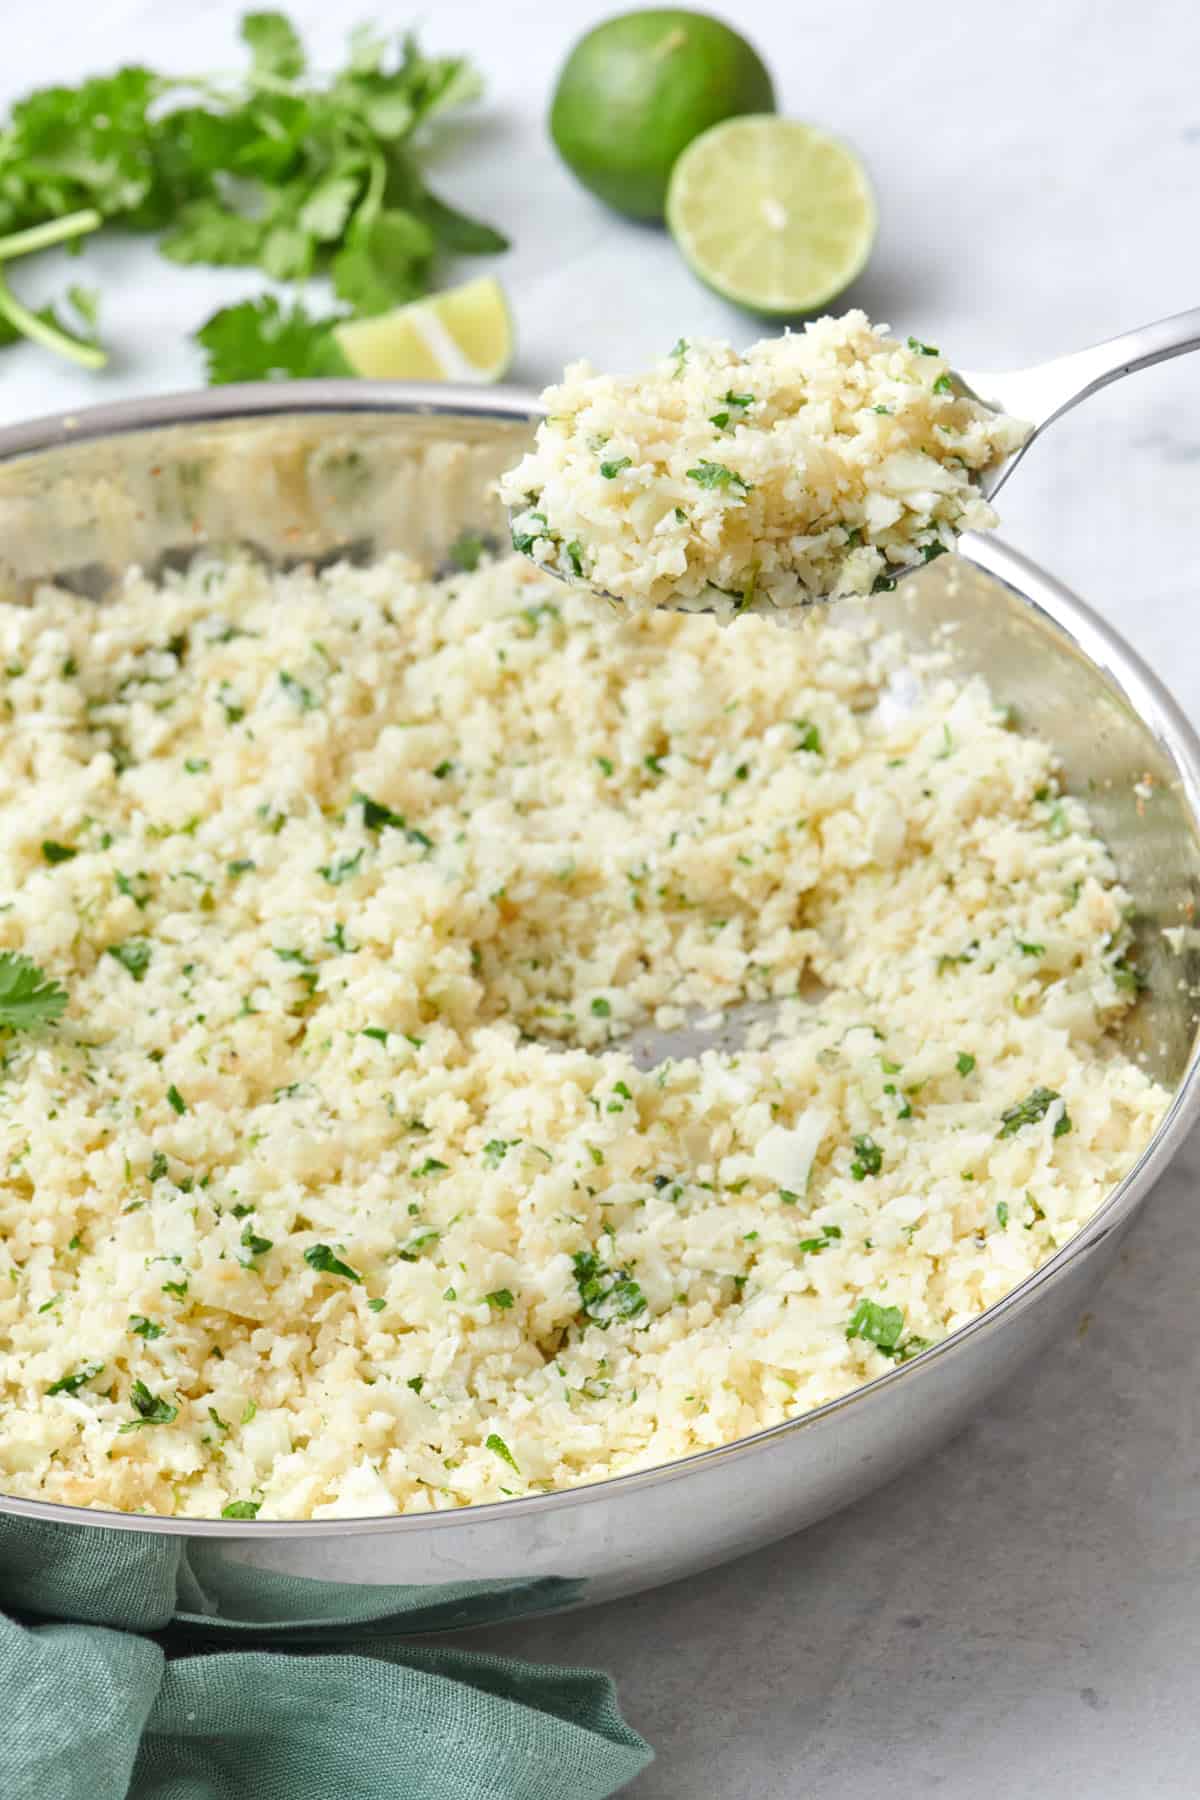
(281, 171)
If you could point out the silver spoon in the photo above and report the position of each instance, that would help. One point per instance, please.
(1038, 396)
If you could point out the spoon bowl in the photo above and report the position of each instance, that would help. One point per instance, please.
(1038, 395)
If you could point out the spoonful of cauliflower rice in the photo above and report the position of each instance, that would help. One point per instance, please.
(821, 464)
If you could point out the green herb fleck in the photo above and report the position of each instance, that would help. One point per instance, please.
(716, 475)
(1035, 1106)
(143, 1327)
(869, 1157)
(321, 1258)
(605, 1294)
(57, 853)
(151, 1409)
(610, 470)
(336, 873)
(133, 956)
(71, 1384)
(175, 1100)
(499, 1448)
(241, 1509)
(810, 737)
(964, 1062)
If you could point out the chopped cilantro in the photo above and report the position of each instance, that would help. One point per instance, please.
(303, 696)
(501, 1299)
(57, 853)
(943, 385)
(444, 768)
(143, 1327)
(151, 1409)
(882, 1326)
(964, 1062)
(196, 765)
(175, 1100)
(71, 1384)
(466, 551)
(124, 885)
(610, 470)
(253, 1244)
(377, 1305)
(177, 1288)
(1035, 1106)
(868, 1159)
(605, 1294)
(923, 349)
(601, 1008)
(1002, 1213)
(716, 475)
(811, 1246)
(241, 1509)
(133, 956)
(416, 1383)
(499, 1448)
(342, 870)
(496, 1149)
(321, 1258)
(431, 1166)
(810, 737)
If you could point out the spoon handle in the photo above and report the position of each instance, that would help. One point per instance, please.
(1043, 393)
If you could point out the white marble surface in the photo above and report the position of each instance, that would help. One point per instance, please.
(1022, 1616)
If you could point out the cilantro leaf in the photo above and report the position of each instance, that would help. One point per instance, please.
(321, 1258)
(257, 340)
(1035, 1106)
(385, 262)
(241, 1509)
(133, 955)
(151, 1409)
(605, 1294)
(71, 1384)
(274, 46)
(878, 1325)
(28, 996)
(716, 475)
(498, 1447)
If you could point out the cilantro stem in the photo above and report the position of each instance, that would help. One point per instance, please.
(54, 231)
(89, 356)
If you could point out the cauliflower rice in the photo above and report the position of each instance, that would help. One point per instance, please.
(334, 1192)
(811, 465)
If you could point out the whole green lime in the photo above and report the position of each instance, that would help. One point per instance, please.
(636, 90)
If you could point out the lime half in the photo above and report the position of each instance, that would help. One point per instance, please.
(772, 213)
(463, 334)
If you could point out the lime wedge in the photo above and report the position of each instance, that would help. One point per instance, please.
(463, 334)
(772, 213)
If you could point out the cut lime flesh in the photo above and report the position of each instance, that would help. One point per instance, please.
(772, 213)
(462, 334)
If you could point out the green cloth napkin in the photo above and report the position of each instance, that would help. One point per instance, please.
(135, 1667)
